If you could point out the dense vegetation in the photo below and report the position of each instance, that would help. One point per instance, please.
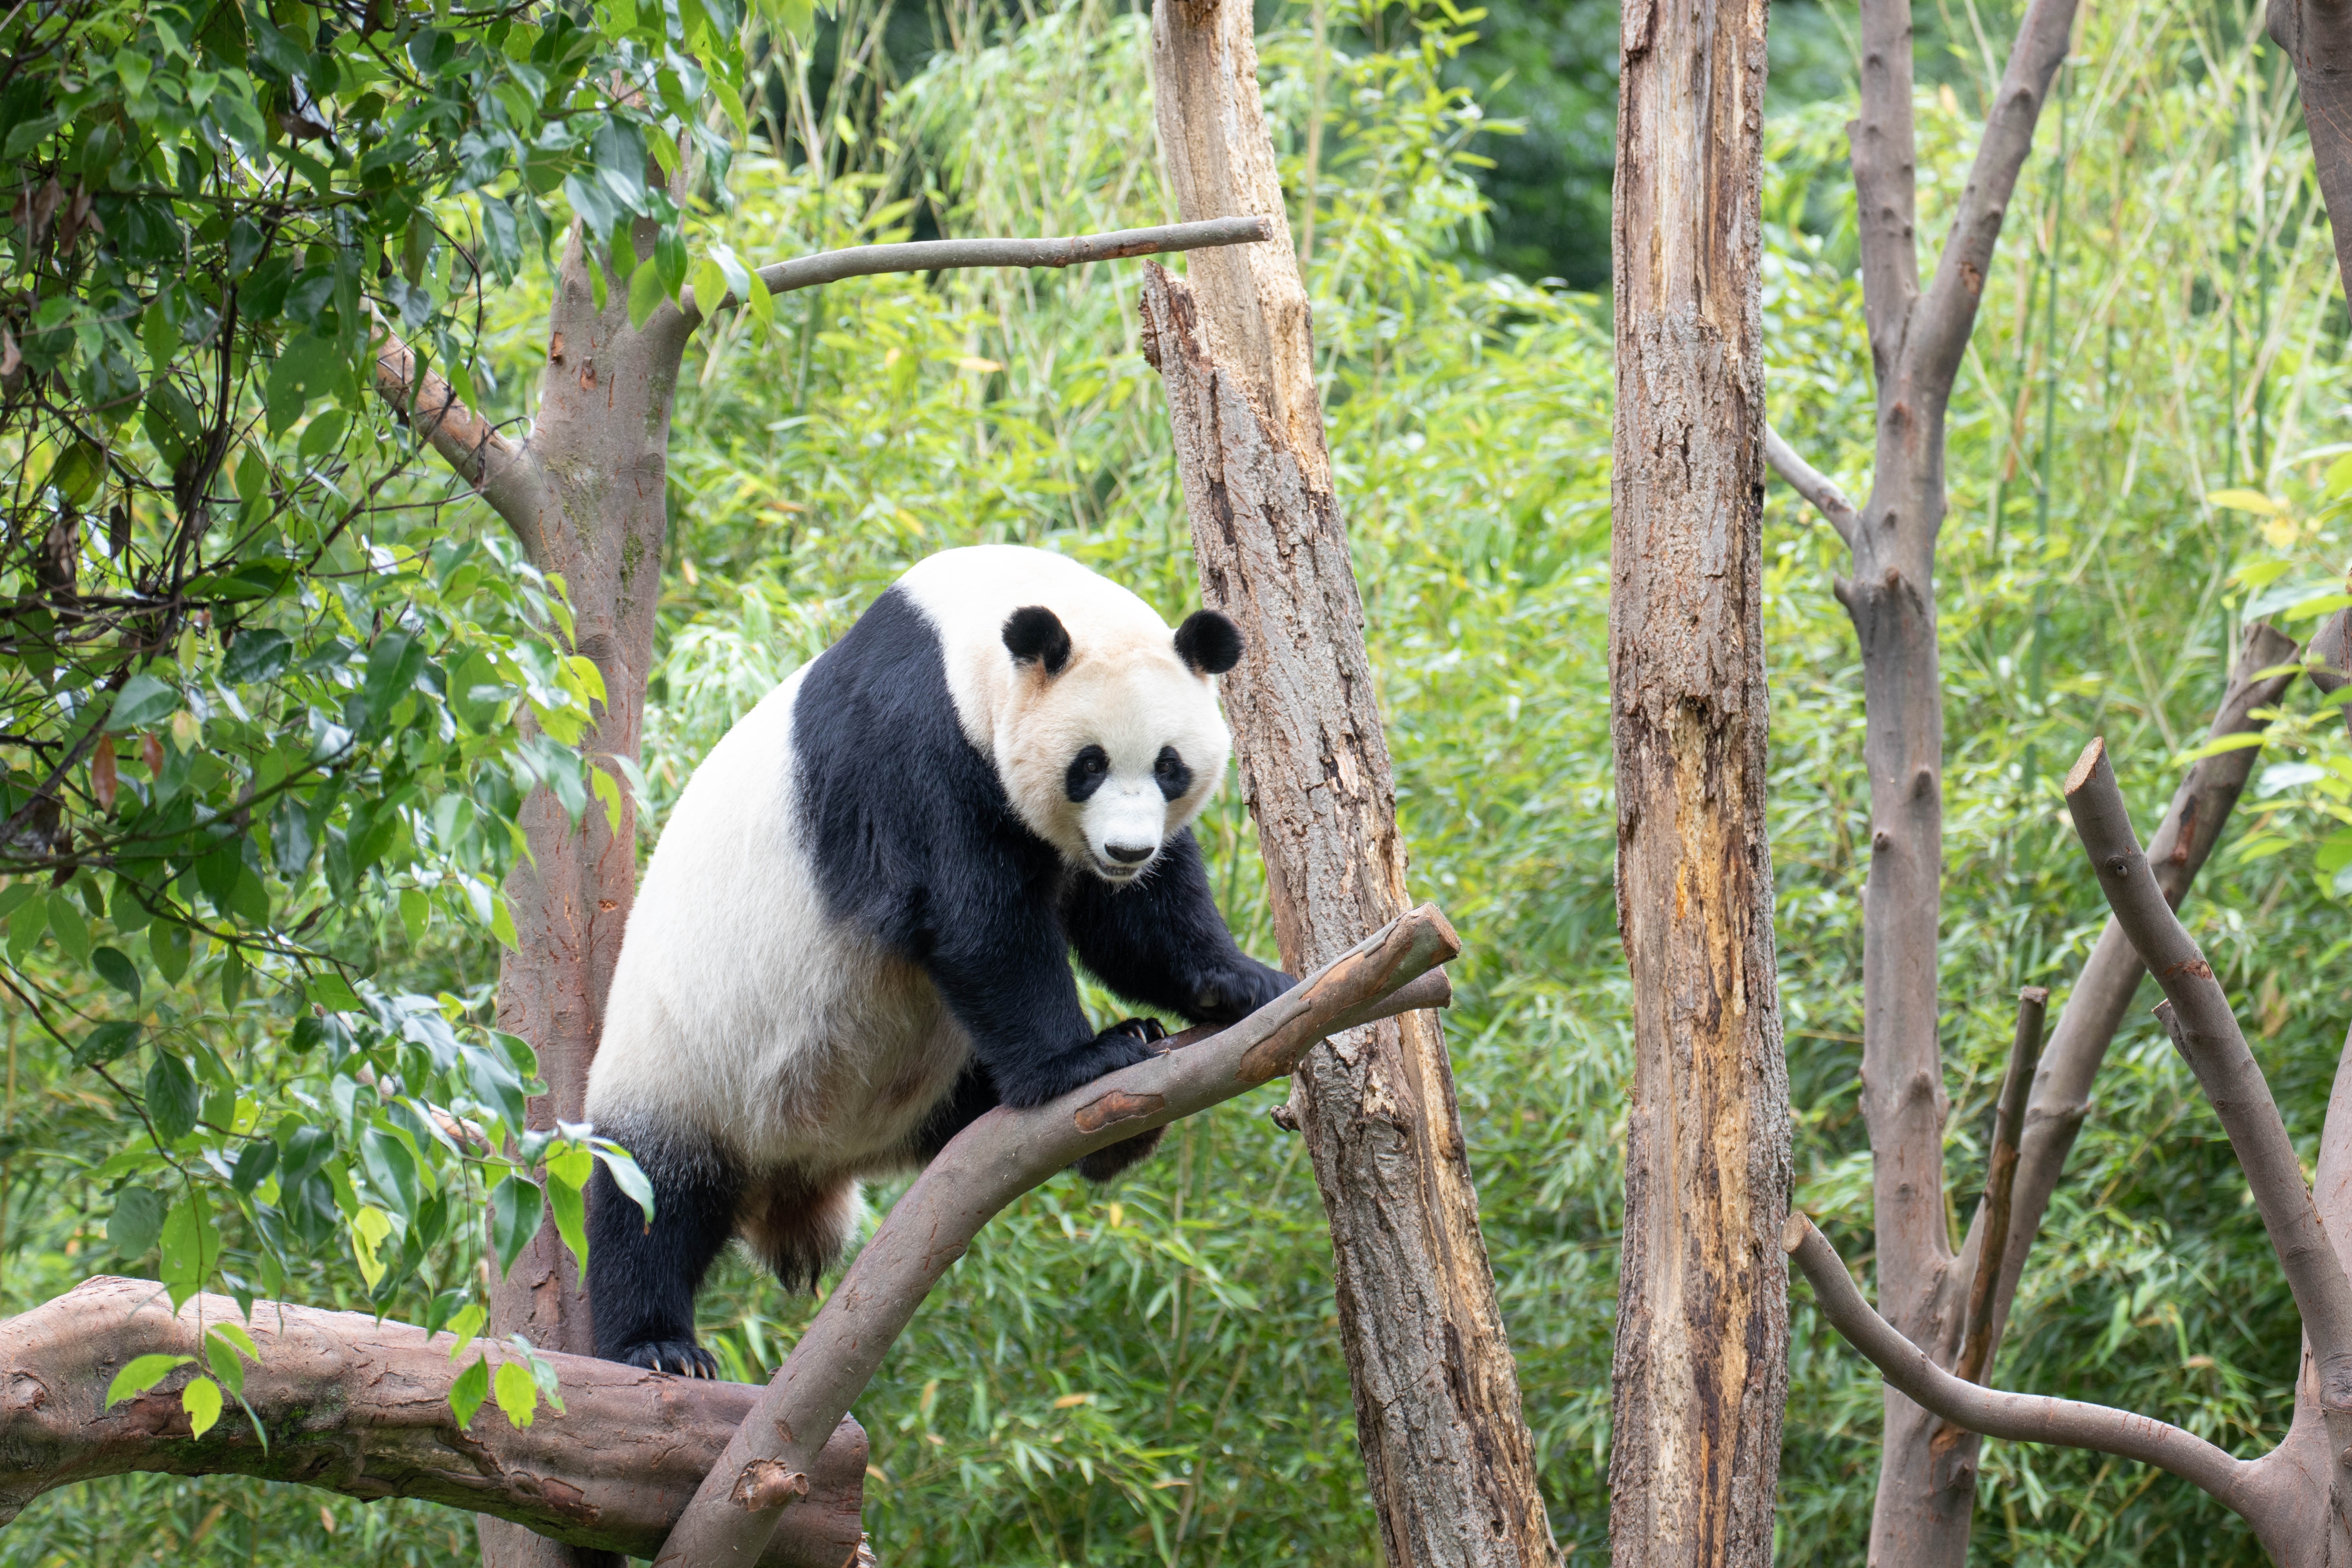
(1152, 1375)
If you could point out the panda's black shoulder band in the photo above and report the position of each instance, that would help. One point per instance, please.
(1034, 632)
(1207, 641)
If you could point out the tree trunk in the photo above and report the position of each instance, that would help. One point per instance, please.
(1446, 1452)
(601, 440)
(1701, 1374)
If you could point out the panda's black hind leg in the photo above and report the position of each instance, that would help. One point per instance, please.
(642, 1278)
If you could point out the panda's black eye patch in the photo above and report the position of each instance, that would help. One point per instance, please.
(1088, 770)
(1170, 772)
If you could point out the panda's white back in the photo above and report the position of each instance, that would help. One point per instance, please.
(740, 1007)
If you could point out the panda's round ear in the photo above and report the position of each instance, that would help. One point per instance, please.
(1034, 632)
(1211, 644)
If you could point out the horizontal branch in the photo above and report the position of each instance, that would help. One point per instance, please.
(1002, 1155)
(2207, 1033)
(1814, 485)
(507, 474)
(361, 1407)
(2018, 1418)
(949, 255)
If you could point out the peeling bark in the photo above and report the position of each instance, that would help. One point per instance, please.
(1447, 1457)
(361, 1407)
(1701, 1372)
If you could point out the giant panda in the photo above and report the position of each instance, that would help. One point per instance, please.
(856, 933)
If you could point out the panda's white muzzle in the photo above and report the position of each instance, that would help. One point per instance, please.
(1124, 826)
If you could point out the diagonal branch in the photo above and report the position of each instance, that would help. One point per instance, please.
(507, 474)
(1812, 484)
(1945, 315)
(2020, 1417)
(358, 1406)
(2103, 992)
(994, 1160)
(2198, 1015)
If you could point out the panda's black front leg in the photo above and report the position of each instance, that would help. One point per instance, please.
(1161, 943)
(641, 1275)
(1004, 973)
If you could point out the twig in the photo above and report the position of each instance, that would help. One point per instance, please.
(2020, 1417)
(2198, 1015)
(995, 1160)
(1812, 484)
(2024, 1052)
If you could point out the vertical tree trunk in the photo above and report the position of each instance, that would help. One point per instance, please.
(601, 440)
(1701, 1374)
(1447, 1451)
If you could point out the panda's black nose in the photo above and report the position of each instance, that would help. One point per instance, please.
(1129, 854)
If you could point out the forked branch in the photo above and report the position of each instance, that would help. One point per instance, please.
(2207, 1033)
(2020, 1418)
(995, 1160)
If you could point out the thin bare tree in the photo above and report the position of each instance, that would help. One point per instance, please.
(1701, 1374)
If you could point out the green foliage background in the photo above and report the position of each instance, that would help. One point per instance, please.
(1152, 1374)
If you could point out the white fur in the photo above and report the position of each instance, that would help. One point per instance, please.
(741, 1009)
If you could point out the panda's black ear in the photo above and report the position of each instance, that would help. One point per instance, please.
(1209, 643)
(1034, 632)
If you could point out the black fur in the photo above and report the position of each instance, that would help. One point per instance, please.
(1172, 773)
(1085, 775)
(1035, 632)
(1209, 643)
(642, 1278)
(938, 867)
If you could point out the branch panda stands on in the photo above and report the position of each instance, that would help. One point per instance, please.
(855, 936)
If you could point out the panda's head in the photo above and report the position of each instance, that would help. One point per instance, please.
(1109, 746)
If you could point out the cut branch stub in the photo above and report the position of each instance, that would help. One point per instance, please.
(361, 1407)
(2207, 1033)
(996, 1159)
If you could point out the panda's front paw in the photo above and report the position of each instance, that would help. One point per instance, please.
(682, 1357)
(1235, 996)
(1103, 1164)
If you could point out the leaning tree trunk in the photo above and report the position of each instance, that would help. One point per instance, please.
(1701, 1374)
(1446, 1452)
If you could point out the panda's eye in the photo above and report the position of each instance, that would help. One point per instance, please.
(1087, 773)
(1170, 772)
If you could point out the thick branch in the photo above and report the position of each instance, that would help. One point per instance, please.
(508, 476)
(1944, 317)
(2101, 993)
(2020, 1418)
(2024, 1051)
(2207, 1033)
(1812, 484)
(1885, 180)
(946, 255)
(360, 1407)
(995, 1160)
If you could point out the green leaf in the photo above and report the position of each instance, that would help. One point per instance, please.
(309, 368)
(710, 288)
(141, 704)
(105, 1043)
(570, 1165)
(167, 945)
(144, 1374)
(415, 911)
(202, 1400)
(465, 1394)
(27, 924)
(465, 1326)
(625, 1175)
(137, 1221)
(518, 1392)
(222, 1359)
(330, 990)
(760, 302)
(67, 926)
(390, 1170)
(646, 291)
(79, 468)
(258, 654)
(172, 1098)
(514, 1218)
(571, 1220)
(115, 968)
(369, 1227)
(190, 1248)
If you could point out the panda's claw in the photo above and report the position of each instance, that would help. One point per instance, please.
(672, 1358)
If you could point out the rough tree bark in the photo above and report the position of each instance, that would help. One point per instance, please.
(1701, 1374)
(1446, 1452)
